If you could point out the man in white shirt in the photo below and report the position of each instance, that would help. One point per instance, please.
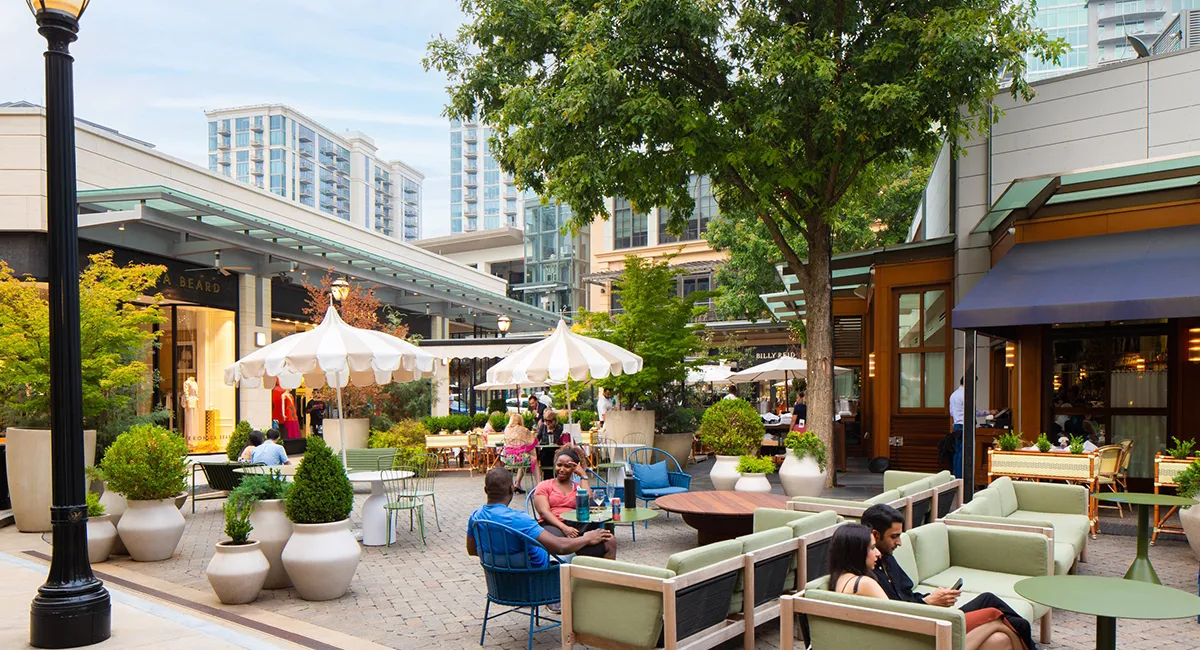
(732, 394)
(604, 404)
(956, 416)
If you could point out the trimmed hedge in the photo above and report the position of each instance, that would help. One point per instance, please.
(238, 439)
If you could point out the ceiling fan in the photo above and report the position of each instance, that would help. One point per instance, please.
(223, 270)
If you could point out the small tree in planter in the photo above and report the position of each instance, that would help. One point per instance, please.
(1076, 445)
(1182, 449)
(101, 534)
(272, 529)
(321, 555)
(148, 465)
(803, 469)
(238, 439)
(1009, 441)
(238, 568)
(730, 428)
(1043, 443)
(753, 471)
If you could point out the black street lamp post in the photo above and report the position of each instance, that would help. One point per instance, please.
(72, 608)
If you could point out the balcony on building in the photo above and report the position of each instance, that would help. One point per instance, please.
(258, 171)
(410, 190)
(306, 165)
(470, 169)
(257, 142)
(471, 152)
(256, 156)
(224, 144)
(305, 138)
(1147, 13)
(470, 136)
(256, 126)
(306, 153)
(471, 197)
(470, 183)
(410, 212)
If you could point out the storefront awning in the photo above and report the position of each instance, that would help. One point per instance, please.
(1147, 274)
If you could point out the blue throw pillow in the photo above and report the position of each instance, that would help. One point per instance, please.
(652, 476)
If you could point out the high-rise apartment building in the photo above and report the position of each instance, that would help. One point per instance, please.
(1097, 30)
(556, 259)
(482, 197)
(279, 149)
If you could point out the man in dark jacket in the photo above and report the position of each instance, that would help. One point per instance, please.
(886, 524)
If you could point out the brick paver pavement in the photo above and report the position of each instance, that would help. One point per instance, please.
(404, 598)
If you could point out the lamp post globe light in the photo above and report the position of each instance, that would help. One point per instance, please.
(72, 608)
(503, 323)
(340, 289)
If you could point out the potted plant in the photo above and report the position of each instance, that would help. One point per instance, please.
(1009, 441)
(272, 528)
(753, 471)
(1187, 484)
(322, 555)
(114, 505)
(1182, 449)
(730, 428)
(1043, 443)
(1076, 445)
(147, 464)
(238, 440)
(803, 469)
(101, 534)
(238, 569)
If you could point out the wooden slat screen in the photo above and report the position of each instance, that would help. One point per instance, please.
(847, 337)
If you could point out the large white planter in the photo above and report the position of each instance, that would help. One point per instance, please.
(272, 529)
(321, 559)
(724, 474)
(618, 424)
(101, 535)
(151, 529)
(29, 475)
(237, 572)
(752, 483)
(1190, 518)
(114, 507)
(357, 430)
(801, 477)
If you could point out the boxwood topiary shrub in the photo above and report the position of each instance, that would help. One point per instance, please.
(732, 427)
(146, 463)
(499, 421)
(321, 493)
(238, 439)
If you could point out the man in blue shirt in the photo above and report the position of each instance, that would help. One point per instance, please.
(270, 452)
(498, 485)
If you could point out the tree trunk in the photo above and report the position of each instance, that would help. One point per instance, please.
(818, 307)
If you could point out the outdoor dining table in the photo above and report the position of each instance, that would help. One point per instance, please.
(1141, 569)
(1109, 599)
(631, 516)
(374, 512)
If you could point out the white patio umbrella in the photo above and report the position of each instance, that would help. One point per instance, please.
(561, 357)
(783, 368)
(336, 354)
(710, 374)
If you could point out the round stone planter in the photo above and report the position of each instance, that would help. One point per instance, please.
(151, 529)
(752, 483)
(237, 571)
(273, 529)
(678, 445)
(101, 535)
(321, 559)
(724, 474)
(801, 477)
(28, 460)
(114, 507)
(1190, 518)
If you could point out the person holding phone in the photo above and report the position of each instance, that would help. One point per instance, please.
(886, 524)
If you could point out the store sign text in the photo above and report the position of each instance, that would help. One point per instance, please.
(193, 283)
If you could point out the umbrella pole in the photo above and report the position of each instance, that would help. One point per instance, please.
(341, 424)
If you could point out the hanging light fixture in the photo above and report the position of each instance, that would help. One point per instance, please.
(1010, 354)
(340, 289)
(503, 323)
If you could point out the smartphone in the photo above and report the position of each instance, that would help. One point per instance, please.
(958, 585)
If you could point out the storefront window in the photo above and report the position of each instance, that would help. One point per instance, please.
(923, 343)
(196, 345)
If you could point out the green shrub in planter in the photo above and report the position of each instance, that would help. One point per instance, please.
(94, 507)
(1009, 441)
(1187, 482)
(1076, 446)
(478, 420)
(237, 520)
(499, 421)
(404, 433)
(321, 493)
(497, 405)
(585, 419)
(731, 427)
(146, 463)
(1043, 443)
(755, 465)
(806, 444)
(530, 419)
(679, 420)
(1182, 448)
(260, 487)
(238, 439)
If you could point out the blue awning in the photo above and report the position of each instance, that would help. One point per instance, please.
(1148, 274)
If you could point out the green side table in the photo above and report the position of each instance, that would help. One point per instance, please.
(629, 516)
(1141, 569)
(1109, 599)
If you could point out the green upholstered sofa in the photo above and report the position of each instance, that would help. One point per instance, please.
(1060, 509)
(921, 497)
(934, 555)
(700, 599)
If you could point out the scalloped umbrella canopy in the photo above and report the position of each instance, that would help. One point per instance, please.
(332, 353)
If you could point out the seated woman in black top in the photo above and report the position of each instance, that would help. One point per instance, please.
(852, 557)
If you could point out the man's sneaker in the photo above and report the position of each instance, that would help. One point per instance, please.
(555, 607)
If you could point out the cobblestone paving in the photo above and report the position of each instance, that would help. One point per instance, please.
(404, 598)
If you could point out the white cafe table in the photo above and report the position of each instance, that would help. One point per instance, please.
(374, 512)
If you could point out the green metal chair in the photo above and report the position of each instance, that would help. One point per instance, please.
(400, 494)
(429, 471)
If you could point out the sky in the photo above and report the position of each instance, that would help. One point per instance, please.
(150, 68)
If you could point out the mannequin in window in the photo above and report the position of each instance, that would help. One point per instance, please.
(191, 419)
(291, 423)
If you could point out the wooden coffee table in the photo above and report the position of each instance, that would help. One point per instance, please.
(718, 515)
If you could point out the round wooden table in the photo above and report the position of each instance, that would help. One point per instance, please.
(718, 515)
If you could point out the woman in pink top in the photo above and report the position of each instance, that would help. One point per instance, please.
(556, 496)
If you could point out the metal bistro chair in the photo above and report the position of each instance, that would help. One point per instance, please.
(511, 581)
(220, 477)
(1122, 476)
(1108, 463)
(678, 480)
(426, 490)
(401, 496)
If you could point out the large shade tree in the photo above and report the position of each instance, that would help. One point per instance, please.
(783, 103)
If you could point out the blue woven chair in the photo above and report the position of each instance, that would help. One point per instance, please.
(678, 480)
(511, 582)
